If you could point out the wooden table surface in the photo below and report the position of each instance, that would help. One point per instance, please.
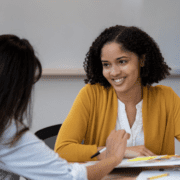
(132, 173)
(123, 173)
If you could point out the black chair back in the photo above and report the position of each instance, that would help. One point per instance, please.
(49, 134)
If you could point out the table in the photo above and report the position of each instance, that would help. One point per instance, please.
(123, 173)
(131, 173)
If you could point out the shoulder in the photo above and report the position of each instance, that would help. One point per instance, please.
(160, 89)
(95, 92)
(95, 88)
(11, 129)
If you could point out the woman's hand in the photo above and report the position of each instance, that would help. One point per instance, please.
(135, 151)
(103, 155)
(116, 144)
(115, 148)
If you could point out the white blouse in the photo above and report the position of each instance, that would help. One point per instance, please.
(136, 131)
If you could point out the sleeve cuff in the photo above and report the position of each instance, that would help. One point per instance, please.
(78, 172)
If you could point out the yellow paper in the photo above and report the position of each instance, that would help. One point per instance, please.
(145, 158)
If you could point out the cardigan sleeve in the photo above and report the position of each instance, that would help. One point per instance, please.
(176, 109)
(68, 143)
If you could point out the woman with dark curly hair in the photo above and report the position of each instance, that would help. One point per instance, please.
(121, 66)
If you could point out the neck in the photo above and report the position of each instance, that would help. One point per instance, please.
(133, 97)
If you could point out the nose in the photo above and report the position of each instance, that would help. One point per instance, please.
(115, 71)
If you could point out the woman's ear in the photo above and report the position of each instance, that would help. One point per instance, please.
(142, 60)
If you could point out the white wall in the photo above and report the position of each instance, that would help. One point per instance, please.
(62, 30)
(53, 100)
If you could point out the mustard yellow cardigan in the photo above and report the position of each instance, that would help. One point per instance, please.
(94, 113)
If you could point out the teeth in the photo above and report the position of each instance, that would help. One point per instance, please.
(118, 80)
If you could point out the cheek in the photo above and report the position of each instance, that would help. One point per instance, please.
(105, 73)
(132, 70)
(135, 74)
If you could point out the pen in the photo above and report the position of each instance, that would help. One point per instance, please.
(99, 152)
(158, 176)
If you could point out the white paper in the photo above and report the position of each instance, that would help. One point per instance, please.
(173, 175)
(149, 163)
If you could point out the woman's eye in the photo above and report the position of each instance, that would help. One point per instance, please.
(105, 65)
(122, 61)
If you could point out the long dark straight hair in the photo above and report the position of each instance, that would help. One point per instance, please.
(19, 70)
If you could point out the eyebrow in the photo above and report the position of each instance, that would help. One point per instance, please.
(116, 59)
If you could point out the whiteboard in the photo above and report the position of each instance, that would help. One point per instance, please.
(62, 31)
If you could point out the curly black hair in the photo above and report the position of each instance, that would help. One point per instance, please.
(131, 39)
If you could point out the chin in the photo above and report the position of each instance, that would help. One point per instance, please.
(120, 90)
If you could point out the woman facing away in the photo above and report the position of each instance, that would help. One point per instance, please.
(121, 66)
(21, 152)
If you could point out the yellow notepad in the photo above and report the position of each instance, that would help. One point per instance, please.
(147, 158)
(144, 158)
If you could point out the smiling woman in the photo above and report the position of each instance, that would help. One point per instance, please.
(121, 66)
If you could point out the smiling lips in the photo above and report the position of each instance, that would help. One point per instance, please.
(119, 81)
